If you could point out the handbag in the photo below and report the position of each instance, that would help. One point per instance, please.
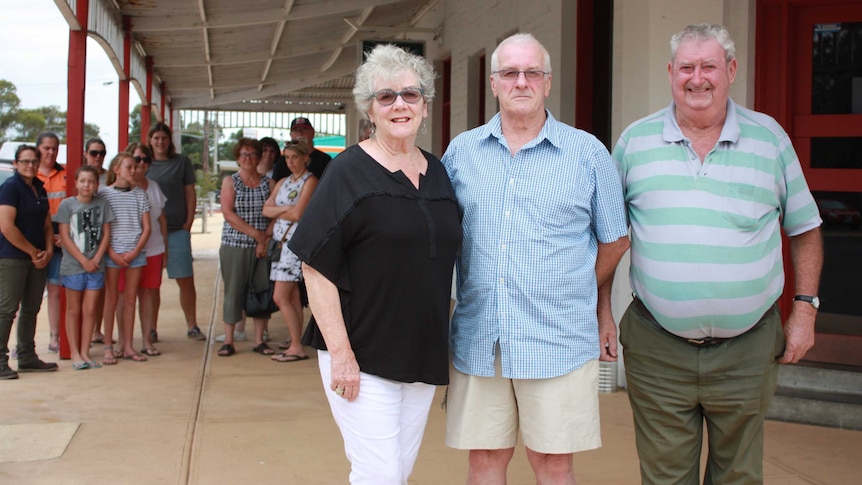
(258, 298)
(273, 246)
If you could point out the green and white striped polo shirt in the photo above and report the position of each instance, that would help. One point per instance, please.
(706, 244)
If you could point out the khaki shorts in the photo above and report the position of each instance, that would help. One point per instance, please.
(555, 416)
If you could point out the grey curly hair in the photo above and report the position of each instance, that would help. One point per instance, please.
(704, 32)
(386, 63)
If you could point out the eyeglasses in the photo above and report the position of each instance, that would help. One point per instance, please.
(139, 159)
(512, 75)
(247, 155)
(34, 162)
(387, 97)
(98, 153)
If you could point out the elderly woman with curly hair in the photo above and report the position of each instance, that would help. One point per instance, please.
(378, 242)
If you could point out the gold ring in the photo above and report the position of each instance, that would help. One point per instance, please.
(339, 391)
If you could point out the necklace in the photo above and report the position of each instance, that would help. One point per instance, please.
(295, 177)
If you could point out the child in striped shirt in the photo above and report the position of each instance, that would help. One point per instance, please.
(129, 233)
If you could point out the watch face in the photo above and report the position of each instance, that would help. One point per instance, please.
(815, 302)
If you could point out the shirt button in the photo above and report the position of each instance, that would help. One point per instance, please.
(503, 247)
(511, 181)
(506, 213)
(502, 280)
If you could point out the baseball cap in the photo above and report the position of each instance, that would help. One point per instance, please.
(300, 121)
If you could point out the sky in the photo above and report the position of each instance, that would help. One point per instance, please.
(34, 56)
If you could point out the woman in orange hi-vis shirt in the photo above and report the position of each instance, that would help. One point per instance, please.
(53, 175)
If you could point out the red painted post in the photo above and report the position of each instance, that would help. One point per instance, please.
(146, 103)
(123, 122)
(163, 89)
(77, 80)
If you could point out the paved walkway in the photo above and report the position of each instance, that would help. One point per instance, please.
(190, 417)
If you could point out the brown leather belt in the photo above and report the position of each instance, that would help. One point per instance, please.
(697, 342)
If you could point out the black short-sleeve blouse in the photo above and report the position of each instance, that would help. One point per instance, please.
(389, 249)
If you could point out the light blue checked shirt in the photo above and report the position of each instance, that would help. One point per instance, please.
(526, 275)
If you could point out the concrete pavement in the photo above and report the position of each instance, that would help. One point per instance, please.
(190, 417)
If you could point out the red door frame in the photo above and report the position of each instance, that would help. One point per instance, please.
(782, 74)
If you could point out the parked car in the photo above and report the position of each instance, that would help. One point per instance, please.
(7, 151)
(837, 214)
(6, 171)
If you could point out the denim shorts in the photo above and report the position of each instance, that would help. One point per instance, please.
(84, 281)
(180, 255)
(54, 267)
(141, 260)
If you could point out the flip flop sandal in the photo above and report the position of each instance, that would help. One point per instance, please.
(151, 352)
(263, 349)
(226, 350)
(285, 357)
(80, 365)
(135, 358)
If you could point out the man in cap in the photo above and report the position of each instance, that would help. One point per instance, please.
(301, 129)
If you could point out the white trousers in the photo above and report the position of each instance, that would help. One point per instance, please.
(382, 428)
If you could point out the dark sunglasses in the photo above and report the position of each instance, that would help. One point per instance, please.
(139, 159)
(387, 97)
(98, 153)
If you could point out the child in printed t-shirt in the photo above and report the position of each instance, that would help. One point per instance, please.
(129, 233)
(84, 222)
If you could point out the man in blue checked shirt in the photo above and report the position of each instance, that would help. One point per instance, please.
(544, 228)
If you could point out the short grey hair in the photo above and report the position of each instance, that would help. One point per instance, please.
(386, 62)
(521, 38)
(704, 32)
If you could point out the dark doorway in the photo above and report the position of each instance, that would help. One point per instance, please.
(593, 78)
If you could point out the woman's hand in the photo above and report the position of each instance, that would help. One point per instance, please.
(117, 259)
(41, 259)
(345, 375)
(260, 249)
(90, 266)
(130, 256)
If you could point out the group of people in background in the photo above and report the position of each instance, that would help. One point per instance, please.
(264, 201)
(110, 243)
(107, 246)
(534, 216)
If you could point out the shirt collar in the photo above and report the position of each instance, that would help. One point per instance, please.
(494, 128)
(729, 132)
(20, 180)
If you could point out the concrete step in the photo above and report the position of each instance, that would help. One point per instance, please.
(818, 396)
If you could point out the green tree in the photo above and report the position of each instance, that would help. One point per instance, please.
(30, 122)
(91, 130)
(226, 148)
(135, 124)
(18, 123)
(206, 183)
(9, 103)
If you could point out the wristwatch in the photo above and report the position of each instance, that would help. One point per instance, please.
(813, 300)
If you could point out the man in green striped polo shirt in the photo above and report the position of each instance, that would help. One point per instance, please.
(709, 185)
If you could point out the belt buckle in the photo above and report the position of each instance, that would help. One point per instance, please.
(697, 341)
